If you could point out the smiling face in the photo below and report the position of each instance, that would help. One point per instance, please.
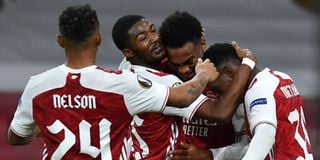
(184, 59)
(145, 45)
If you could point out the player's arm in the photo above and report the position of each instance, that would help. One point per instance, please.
(261, 112)
(15, 139)
(22, 127)
(184, 94)
(234, 151)
(262, 142)
(225, 107)
(190, 152)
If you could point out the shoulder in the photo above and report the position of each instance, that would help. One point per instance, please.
(50, 75)
(264, 80)
(46, 73)
(45, 81)
(118, 71)
(157, 76)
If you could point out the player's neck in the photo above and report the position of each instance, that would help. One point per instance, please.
(153, 65)
(254, 72)
(80, 58)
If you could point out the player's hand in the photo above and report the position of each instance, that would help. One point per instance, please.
(191, 152)
(243, 53)
(207, 69)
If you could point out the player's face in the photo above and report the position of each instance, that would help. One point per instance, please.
(145, 42)
(220, 84)
(183, 60)
(224, 79)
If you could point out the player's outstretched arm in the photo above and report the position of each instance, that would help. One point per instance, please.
(224, 108)
(262, 142)
(184, 94)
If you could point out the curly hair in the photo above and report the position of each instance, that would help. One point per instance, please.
(179, 28)
(78, 23)
(120, 30)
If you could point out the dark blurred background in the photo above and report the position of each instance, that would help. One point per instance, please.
(284, 34)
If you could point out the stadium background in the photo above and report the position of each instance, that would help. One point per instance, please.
(281, 33)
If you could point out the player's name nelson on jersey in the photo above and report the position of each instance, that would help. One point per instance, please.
(74, 102)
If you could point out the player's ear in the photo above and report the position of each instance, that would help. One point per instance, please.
(203, 44)
(228, 71)
(98, 38)
(60, 40)
(128, 53)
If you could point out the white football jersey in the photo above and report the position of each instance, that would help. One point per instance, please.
(86, 110)
(273, 98)
(155, 134)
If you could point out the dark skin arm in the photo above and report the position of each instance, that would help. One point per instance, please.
(223, 109)
(184, 94)
(15, 139)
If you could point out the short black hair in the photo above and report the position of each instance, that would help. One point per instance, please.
(219, 53)
(78, 23)
(179, 28)
(120, 30)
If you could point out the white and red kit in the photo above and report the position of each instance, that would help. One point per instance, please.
(154, 135)
(273, 100)
(201, 132)
(238, 149)
(86, 113)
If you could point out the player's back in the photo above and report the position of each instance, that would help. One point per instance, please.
(291, 139)
(291, 130)
(83, 114)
